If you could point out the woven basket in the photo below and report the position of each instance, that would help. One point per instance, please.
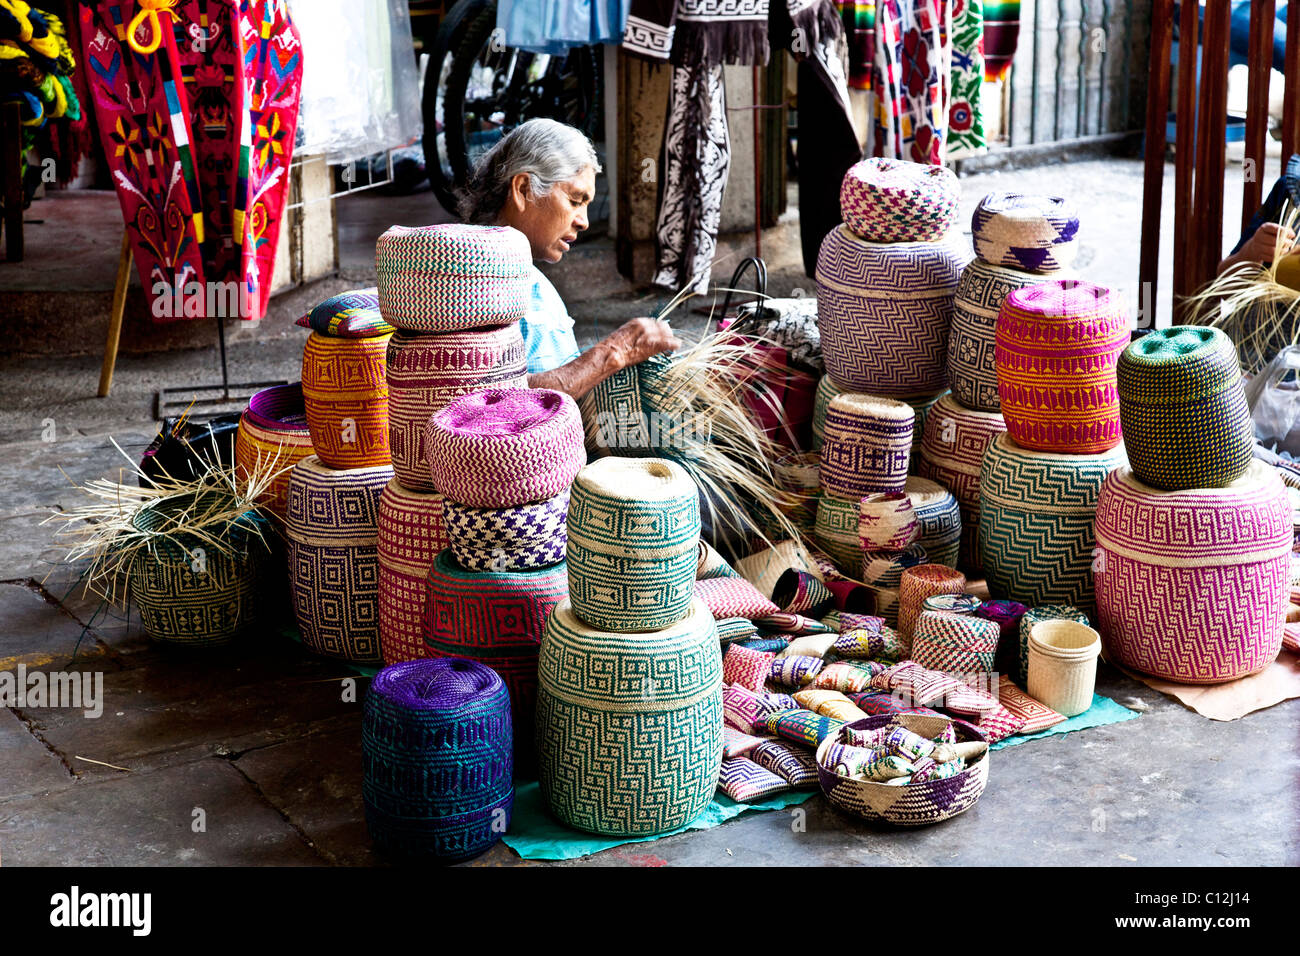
(1037, 615)
(497, 619)
(1035, 524)
(629, 726)
(980, 294)
(436, 767)
(911, 805)
(938, 520)
(952, 452)
(884, 310)
(919, 583)
(332, 528)
(273, 432)
(958, 604)
(887, 522)
(1057, 346)
(892, 200)
(1033, 233)
(190, 592)
(764, 569)
(634, 527)
(502, 447)
(884, 569)
(508, 539)
(868, 441)
(1192, 585)
(346, 395)
(962, 645)
(411, 533)
(426, 372)
(836, 532)
(1186, 420)
(1063, 665)
(450, 277)
(826, 392)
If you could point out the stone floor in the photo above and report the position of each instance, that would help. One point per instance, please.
(261, 740)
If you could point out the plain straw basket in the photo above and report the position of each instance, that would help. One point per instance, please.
(1063, 665)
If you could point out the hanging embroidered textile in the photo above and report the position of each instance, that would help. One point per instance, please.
(910, 80)
(965, 119)
(197, 106)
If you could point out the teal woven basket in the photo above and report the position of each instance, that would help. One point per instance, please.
(1035, 524)
(629, 726)
(1183, 409)
(634, 531)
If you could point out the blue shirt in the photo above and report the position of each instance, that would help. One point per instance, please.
(547, 327)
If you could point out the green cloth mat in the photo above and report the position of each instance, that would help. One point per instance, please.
(1102, 712)
(535, 835)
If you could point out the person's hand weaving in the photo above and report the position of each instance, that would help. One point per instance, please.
(1262, 246)
(638, 339)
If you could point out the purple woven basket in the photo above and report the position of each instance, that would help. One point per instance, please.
(913, 805)
(279, 408)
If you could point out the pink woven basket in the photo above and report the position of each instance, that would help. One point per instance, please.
(411, 533)
(1192, 585)
(427, 371)
(503, 447)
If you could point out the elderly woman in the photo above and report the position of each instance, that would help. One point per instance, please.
(540, 178)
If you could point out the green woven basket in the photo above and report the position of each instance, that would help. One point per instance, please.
(1183, 409)
(191, 592)
(629, 726)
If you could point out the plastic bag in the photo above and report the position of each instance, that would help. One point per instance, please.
(1274, 397)
(360, 82)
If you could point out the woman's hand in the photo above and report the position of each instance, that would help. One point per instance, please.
(1263, 245)
(638, 339)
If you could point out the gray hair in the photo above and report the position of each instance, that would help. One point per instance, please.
(548, 151)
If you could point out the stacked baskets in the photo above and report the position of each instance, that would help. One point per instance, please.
(455, 294)
(1195, 538)
(1019, 240)
(885, 284)
(629, 705)
(1058, 343)
(503, 460)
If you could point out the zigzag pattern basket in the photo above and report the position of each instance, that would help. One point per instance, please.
(191, 593)
(952, 454)
(1036, 516)
(1186, 420)
(346, 394)
(629, 726)
(450, 277)
(938, 519)
(411, 533)
(913, 805)
(1192, 586)
(273, 432)
(980, 294)
(1033, 233)
(884, 310)
(333, 534)
(437, 773)
(867, 445)
(426, 372)
(1057, 346)
(892, 200)
(495, 618)
(500, 447)
(634, 528)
